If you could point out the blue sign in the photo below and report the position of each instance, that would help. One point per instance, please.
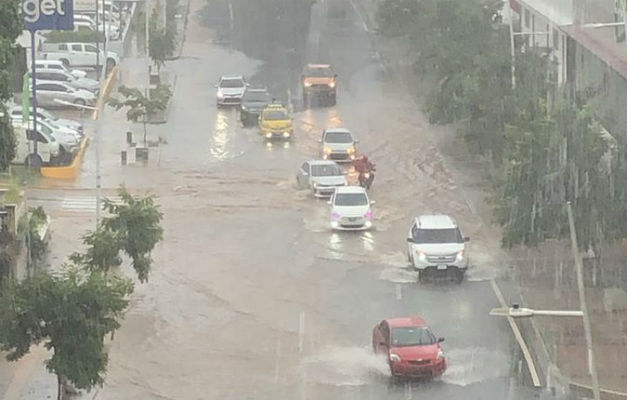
(48, 14)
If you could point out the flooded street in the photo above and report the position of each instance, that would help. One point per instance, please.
(252, 296)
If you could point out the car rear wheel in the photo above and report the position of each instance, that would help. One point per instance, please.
(33, 160)
(421, 276)
(65, 62)
(79, 102)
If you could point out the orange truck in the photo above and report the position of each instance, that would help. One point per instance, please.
(319, 84)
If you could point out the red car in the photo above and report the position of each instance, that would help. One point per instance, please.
(412, 349)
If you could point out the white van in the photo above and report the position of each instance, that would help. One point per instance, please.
(56, 64)
(47, 146)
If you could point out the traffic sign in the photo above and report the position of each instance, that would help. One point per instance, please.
(48, 14)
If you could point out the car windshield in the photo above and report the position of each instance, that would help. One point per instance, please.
(437, 236)
(318, 72)
(275, 115)
(338, 137)
(232, 83)
(256, 96)
(412, 336)
(326, 170)
(351, 199)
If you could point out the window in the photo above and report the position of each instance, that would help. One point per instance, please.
(305, 167)
(77, 47)
(351, 199)
(338, 137)
(326, 170)
(436, 235)
(384, 329)
(48, 87)
(90, 48)
(412, 336)
(63, 47)
(527, 17)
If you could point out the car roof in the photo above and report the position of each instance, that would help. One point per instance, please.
(403, 322)
(318, 66)
(321, 162)
(351, 189)
(55, 70)
(224, 77)
(257, 89)
(435, 221)
(53, 62)
(337, 130)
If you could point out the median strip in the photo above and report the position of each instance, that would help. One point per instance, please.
(519, 338)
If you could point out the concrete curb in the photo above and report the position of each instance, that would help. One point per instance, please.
(68, 172)
(107, 88)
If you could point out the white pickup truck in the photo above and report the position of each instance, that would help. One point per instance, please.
(78, 55)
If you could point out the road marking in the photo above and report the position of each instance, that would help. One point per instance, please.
(398, 291)
(519, 338)
(356, 9)
(276, 375)
(84, 204)
(301, 332)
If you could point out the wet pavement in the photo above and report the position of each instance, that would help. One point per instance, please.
(251, 295)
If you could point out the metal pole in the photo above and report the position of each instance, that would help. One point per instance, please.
(512, 52)
(34, 81)
(592, 368)
(97, 41)
(106, 37)
(99, 126)
(146, 26)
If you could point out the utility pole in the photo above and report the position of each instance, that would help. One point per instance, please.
(592, 368)
(98, 45)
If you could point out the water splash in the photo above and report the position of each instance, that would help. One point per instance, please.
(474, 364)
(345, 366)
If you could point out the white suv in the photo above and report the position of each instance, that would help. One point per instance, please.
(435, 246)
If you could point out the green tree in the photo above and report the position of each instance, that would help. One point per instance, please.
(70, 313)
(161, 42)
(141, 105)
(11, 25)
(132, 228)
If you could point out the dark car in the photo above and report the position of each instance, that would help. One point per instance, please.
(253, 102)
(411, 348)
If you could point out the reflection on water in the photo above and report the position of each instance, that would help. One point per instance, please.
(368, 241)
(222, 137)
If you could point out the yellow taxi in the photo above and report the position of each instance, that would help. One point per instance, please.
(275, 122)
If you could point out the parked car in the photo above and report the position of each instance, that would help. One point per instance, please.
(54, 64)
(436, 247)
(42, 113)
(230, 90)
(69, 140)
(49, 91)
(84, 22)
(252, 103)
(411, 348)
(47, 146)
(321, 176)
(62, 76)
(78, 54)
(338, 144)
(350, 209)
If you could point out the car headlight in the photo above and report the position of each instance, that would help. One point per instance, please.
(327, 150)
(351, 150)
(286, 134)
(307, 84)
(460, 255)
(331, 84)
(220, 95)
(440, 355)
(421, 255)
(244, 109)
(335, 216)
(368, 215)
(268, 134)
(394, 357)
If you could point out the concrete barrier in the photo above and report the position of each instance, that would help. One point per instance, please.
(67, 172)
